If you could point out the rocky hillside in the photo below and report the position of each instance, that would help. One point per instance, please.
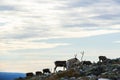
(108, 69)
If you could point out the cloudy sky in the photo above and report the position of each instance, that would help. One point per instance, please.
(35, 33)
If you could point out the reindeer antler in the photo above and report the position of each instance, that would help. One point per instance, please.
(82, 53)
(75, 55)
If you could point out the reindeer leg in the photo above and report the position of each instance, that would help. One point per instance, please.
(55, 69)
(63, 68)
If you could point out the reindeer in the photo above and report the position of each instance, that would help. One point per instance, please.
(38, 73)
(30, 74)
(60, 64)
(102, 58)
(72, 63)
(46, 70)
(86, 62)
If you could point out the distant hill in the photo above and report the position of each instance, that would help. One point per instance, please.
(10, 76)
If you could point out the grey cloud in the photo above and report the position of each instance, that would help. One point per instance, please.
(100, 9)
(77, 3)
(28, 32)
(1, 24)
(117, 1)
(6, 8)
(65, 13)
(81, 25)
(82, 3)
(108, 16)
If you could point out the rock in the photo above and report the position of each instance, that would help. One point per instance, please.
(92, 77)
(72, 78)
(103, 79)
(83, 78)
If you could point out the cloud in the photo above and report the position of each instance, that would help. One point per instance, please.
(22, 44)
(37, 19)
(29, 24)
(24, 66)
(117, 42)
(6, 8)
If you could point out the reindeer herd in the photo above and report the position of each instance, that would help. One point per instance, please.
(74, 62)
(69, 64)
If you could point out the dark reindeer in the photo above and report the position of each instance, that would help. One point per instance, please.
(86, 62)
(102, 58)
(30, 74)
(46, 70)
(60, 64)
(38, 73)
(71, 63)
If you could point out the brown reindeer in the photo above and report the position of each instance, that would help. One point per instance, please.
(60, 64)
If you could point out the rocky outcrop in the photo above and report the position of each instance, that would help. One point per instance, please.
(106, 70)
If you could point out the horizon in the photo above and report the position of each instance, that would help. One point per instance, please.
(35, 33)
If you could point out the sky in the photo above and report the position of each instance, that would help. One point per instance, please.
(35, 33)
